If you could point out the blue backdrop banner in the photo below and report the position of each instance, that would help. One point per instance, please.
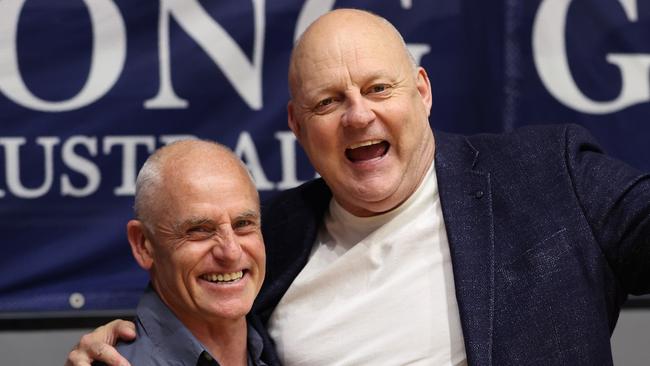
(89, 88)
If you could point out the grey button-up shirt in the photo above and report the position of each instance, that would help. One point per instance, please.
(163, 340)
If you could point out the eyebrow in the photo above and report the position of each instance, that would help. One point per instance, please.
(198, 221)
(249, 214)
(192, 222)
(329, 86)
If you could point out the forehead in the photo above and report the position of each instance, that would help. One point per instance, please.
(208, 185)
(331, 51)
(221, 205)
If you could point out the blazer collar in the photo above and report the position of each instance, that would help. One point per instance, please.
(466, 199)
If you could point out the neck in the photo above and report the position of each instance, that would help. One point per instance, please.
(225, 338)
(226, 341)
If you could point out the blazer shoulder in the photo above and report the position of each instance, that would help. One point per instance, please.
(311, 197)
(555, 134)
(564, 142)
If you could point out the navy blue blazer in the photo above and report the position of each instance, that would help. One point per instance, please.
(547, 235)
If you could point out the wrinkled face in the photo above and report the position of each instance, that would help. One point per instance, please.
(360, 110)
(208, 258)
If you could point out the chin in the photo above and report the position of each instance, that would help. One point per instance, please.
(229, 310)
(230, 314)
(374, 191)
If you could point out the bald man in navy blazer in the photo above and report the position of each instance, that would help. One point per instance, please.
(547, 235)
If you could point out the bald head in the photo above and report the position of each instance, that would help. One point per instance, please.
(172, 167)
(338, 26)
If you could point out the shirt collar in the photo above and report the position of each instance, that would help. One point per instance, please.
(255, 347)
(173, 340)
(358, 227)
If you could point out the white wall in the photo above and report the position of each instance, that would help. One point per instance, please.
(631, 339)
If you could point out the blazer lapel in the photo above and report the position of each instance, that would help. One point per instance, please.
(289, 225)
(465, 196)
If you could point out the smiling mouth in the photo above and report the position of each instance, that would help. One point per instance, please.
(367, 150)
(223, 277)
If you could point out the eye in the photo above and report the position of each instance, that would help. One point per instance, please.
(325, 102)
(242, 223)
(378, 88)
(245, 226)
(325, 105)
(199, 233)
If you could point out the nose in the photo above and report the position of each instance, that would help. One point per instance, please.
(226, 249)
(358, 113)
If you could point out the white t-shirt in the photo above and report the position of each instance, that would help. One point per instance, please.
(376, 291)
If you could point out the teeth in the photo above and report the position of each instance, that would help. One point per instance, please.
(226, 277)
(364, 143)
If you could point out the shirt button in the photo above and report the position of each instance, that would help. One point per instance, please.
(478, 194)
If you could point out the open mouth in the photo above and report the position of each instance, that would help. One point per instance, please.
(367, 150)
(223, 277)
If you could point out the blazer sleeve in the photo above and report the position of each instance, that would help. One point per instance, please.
(615, 199)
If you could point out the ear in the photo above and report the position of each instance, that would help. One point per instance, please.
(424, 88)
(292, 122)
(140, 244)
